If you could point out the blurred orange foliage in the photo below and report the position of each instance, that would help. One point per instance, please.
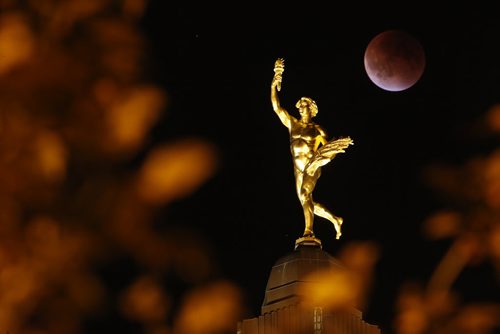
(75, 109)
(472, 221)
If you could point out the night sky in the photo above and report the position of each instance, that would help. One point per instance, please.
(216, 65)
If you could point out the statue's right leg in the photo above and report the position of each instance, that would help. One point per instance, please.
(308, 206)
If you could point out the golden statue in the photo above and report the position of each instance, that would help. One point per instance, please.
(310, 151)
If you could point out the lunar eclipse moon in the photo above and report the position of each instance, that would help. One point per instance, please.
(394, 60)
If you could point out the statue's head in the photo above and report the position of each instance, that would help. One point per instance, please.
(306, 104)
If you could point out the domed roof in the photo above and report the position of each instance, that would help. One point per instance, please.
(293, 270)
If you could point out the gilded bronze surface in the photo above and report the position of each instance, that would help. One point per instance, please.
(310, 150)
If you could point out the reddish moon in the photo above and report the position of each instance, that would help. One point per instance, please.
(394, 60)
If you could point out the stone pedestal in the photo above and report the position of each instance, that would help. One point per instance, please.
(284, 311)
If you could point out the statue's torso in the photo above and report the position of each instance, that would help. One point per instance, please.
(302, 142)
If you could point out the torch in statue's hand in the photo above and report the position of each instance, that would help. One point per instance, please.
(279, 68)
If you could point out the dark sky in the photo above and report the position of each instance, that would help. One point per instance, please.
(216, 64)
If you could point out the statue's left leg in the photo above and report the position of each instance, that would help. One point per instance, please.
(321, 211)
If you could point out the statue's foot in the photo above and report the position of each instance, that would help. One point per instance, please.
(308, 233)
(339, 226)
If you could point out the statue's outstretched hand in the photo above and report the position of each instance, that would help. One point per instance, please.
(279, 68)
